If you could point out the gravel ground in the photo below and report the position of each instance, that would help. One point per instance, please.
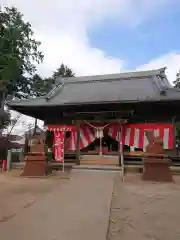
(53, 209)
(144, 210)
(17, 193)
(139, 210)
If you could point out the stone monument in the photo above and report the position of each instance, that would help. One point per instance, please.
(36, 161)
(156, 162)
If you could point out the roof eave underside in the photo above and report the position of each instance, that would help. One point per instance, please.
(64, 105)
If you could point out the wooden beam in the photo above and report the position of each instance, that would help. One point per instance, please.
(78, 144)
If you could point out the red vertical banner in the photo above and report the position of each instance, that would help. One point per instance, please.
(59, 146)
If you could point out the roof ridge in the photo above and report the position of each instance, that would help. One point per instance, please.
(102, 78)
(126, 74)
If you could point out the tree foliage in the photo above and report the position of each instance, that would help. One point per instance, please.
(5, 119)
(41, 86)
(177, 81)
(63, 71)
(18, 52)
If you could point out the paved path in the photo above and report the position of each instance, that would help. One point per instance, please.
(76, 210)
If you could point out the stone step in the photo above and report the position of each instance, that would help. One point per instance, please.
(139, 169)
(98, 160)
(96, 167)
(98, 156)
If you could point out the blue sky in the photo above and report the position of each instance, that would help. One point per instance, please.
(102, 36)
(153, 37)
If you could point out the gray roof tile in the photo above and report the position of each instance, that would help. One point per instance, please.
(122, 87)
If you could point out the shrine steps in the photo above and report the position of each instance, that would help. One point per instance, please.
(111, 168)
(99, 160)
(96, 167)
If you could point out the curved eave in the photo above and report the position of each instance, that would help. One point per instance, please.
(44, 111)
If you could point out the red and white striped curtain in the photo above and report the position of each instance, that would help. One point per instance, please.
(135, 134)
(87, 136)
(131, 135)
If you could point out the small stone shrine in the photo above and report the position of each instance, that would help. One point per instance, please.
(156, 162)
(36, 160)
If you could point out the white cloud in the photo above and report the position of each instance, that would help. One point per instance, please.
(62, 27)
(171, 61)
(77, 54)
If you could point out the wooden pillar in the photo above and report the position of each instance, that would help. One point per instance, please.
(78, 144)
(122, 152)
(119, 145)
(9, 160)
(175, 149)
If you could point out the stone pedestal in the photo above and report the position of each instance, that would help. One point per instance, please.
(36, 165)
(36, 162)
(156, 163)
(156, 168)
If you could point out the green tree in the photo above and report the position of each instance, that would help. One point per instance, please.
(18, 52)
(63, 71)
(41, 86)
(5, 119)
(177, 81)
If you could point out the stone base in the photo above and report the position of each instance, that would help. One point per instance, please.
(157, 170)
(36, 166)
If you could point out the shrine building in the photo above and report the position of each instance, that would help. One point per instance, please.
(106, 115)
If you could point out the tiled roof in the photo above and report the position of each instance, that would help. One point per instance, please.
(123, 87)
